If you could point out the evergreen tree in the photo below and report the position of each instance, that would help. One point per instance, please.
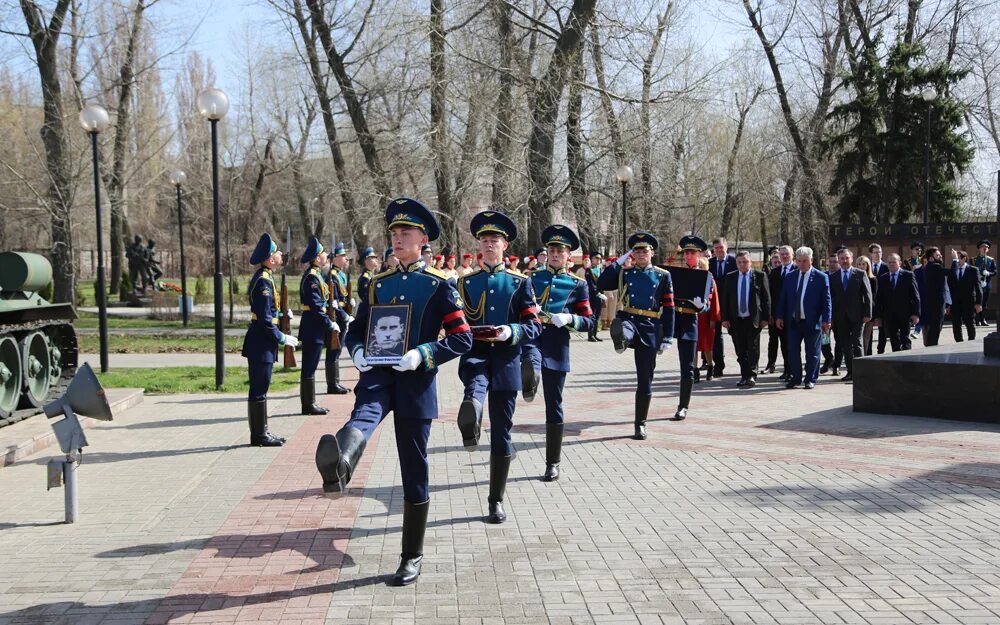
(879, 139)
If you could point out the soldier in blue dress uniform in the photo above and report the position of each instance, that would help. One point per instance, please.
(686, 325)
(408, 388)
(564, 305)
(987, 269)
(263, 338)
(501, 298)
(597, 298)
(315, 325)
(338, 285)
(646, 321)
(371, 264)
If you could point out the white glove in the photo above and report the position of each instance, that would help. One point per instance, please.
(698, 303)
(561, 319)
(349, 320)
(505, 333)
(354, 304)
(289, 341)
(624, 257)
(290, 314)
(665, 345)
(602, 297)
(410, 361)
(335, 328)
(360, 362)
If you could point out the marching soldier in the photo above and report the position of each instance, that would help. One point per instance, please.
(987, 269)
(260, 346)
(341, 301)
(315, 325)
(408, 388)
(370, 260)
(564, 304)
(500, 300)
(597, 298)
(646, 321)
(686, 325)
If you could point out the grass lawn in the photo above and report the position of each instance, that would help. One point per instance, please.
(170, 380)
(89, 320)
(145, 344)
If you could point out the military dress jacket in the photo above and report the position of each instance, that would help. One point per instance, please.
(314, 294)
(433, 304)
(263, 336)
(338, 284)
(495, 296)
(987, 269)
(559, 291)
(365, 279)
(647, 297)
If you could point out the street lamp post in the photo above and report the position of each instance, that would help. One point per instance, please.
(94, 119)
(991, 344)
(178, 178)
(213, 105)
(928, 95)
(624, 174)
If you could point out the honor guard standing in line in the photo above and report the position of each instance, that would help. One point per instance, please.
(371, 263)
(987, 269)
(425, 302)
(501, 303)
(686, 325)
(564, 305)
(646, 321)
(341, 302)
(597, 298)
(263, 338)
(315, 325)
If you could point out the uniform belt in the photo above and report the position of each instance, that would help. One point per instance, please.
(274, 320)
(642, 311)
(686, 311)
(307, 308)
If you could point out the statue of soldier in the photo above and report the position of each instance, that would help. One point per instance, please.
(136, 255)
(153, 271)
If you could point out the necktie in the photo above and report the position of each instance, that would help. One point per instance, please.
(960, 272)
(745, 295)
(894, 280)
(844, 275)
(798, 295)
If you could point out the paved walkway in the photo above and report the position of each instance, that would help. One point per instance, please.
(764, 506)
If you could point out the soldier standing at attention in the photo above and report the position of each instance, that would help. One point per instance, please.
(686, 326)
(408, 388)
(338, 286)
(371, 263)
(263, 338)
(597, 298)
(503, 299)
(646, 321)
(987, 269)
(562, 298)
(315, 326)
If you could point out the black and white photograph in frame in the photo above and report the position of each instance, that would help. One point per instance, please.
(388, 326)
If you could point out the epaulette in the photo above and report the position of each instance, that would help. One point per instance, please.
(383, 274)
(660, 270)
(515, 272)
(470, 274)
(436, 272)
(314, 271)
(575, 277)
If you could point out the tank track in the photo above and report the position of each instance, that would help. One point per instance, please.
(57, 389)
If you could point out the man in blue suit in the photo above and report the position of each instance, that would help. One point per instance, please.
(806, 309)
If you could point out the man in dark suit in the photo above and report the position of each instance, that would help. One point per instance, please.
(879, 267)
(935, 297)
(746, 309)
(966, 295)
(720, 265)
(897, 304)
(776, 336)
(806, 310)
(852, 308)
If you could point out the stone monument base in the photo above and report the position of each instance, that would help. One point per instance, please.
(946, 382)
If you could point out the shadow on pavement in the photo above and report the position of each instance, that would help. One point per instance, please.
(112, 456)
(174, 423)
(909, 494)
(845, 422)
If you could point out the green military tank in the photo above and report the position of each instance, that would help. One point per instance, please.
(38, 352)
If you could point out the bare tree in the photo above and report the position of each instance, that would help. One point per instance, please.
(729, 206)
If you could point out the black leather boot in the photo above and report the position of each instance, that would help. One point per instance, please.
(499, 467)
(307, 391)
(641, 411)
(553, 451)
(333, 386)
(337, 456)
(618, 336)
(529, 380)
(414, 528)
(259, 434)
(470, 422)
(684, 400)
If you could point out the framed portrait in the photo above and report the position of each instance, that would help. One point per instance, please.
(388, 333)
